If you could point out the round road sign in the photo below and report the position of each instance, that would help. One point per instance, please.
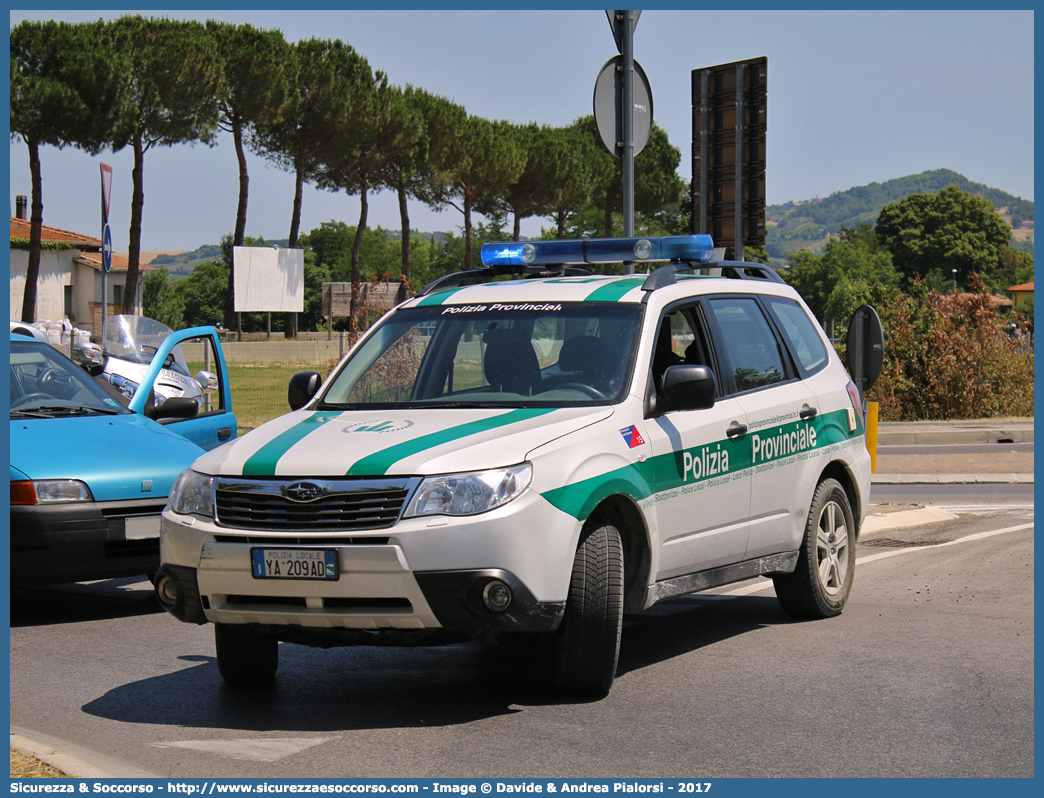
(605, 111)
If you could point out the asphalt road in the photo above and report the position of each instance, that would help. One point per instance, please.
(929, 672)
(969, 497)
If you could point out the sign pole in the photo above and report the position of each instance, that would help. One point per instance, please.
(627, 114)
(106, 191)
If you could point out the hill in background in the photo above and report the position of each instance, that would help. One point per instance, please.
(807, 224)
(799, 224)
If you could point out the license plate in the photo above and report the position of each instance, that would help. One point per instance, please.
(294, 563)
(142, 527)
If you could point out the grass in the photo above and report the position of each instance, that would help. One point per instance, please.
(27, 766)
(259, 390)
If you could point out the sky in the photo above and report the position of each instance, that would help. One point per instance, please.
(854, 97)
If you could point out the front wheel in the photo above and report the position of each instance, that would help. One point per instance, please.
(589, 637)
(819, 586)
(245, 656)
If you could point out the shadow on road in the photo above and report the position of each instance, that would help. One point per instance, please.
(381, 688)
(82, 601)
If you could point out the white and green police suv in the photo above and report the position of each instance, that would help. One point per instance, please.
(533, 455)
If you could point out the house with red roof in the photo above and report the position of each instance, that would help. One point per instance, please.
(1022, 295)
(69, 285)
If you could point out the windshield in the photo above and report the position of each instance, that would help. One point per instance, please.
(136, 339)
(531, 355)
(45, 383)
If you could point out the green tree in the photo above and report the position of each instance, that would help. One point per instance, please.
(161, 301)
(489, 159)
(362, 161)
(324, 76)
(315, 275)
(63, 92)
(928, 233)
(570, 160)
(416, 171)
(202, 293)
(173, 79)
(533, 192)
(657, 183)
(1010, 265)
(852, 270)
(254, 68)
(331, 244)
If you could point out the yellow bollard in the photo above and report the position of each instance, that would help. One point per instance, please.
(871, 434)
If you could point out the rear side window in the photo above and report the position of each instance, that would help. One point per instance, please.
(748, 340)
(801, 332)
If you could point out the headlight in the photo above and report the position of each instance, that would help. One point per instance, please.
(468, 494)
(50, 491)
(193, 494)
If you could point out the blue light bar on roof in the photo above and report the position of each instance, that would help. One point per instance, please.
(597, 250)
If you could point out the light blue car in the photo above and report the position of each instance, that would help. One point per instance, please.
(91, 468)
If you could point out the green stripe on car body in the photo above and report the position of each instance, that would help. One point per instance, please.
(615, 290)
(262, 463)
(378, 463)
(700, 464)
(438, 297)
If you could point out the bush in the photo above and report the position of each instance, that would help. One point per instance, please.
(947, 357)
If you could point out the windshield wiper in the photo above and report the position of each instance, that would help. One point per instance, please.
(49, 411)
(473, 405)
(329, 406)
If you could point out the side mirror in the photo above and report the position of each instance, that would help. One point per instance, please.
(303, 386)
(208, 381)
(689, 387)
(176, 407)
(87, 354)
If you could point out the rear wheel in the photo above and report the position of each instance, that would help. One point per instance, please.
(819, 586)
(245, 656)
(589, 637)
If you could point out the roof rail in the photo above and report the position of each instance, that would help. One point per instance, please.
(492, 272)
(732, 269)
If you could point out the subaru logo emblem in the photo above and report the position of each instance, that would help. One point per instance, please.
(303, 492)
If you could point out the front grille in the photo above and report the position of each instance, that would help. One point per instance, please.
(342, 504)
(310, 540)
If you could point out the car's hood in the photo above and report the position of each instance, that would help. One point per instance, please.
(119, 457)
(399, 442)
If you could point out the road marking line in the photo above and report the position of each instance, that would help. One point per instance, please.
(977, 536)
(766, 583)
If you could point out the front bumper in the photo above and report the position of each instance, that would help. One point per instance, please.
(83, 541)
(419, 575)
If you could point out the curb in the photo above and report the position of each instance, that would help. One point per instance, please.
(886, 522)
(921, 433)
(73, 760)
(950, 479)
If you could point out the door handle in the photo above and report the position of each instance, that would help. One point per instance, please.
(808, 413)
(736, 430)
(224, 433)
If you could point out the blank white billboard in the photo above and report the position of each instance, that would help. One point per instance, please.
(269, 278)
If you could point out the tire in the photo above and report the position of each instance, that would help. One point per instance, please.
(245, 656)
(822, 580)
(589, 637)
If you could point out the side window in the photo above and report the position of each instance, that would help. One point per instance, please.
(193, 356)
(680, 339)
(802, 333)
(749, 343)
